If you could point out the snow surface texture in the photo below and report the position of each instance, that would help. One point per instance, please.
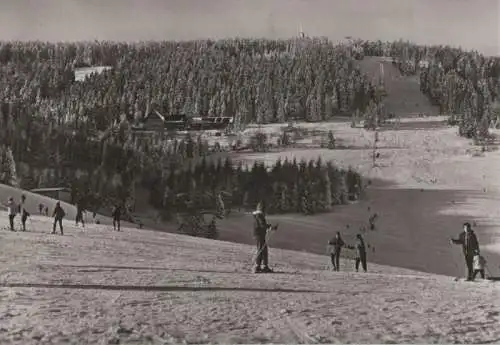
(97, 286)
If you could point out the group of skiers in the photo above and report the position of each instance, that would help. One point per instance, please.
(13, 209)
(262, 231)
(475, 262)
(335, 247)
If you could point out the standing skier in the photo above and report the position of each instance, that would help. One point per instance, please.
(336, 245)
(116, 213)
(12, 212)
(360, 252)
(79, 213)
(260, 233)
(24, 213)
(470, 245)
(58, 217)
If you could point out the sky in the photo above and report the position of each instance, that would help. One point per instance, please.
(472, 24)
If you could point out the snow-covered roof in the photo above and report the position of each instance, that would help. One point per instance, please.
(82, 73)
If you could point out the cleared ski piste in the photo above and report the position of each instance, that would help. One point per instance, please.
(96, 286)
(426, 183)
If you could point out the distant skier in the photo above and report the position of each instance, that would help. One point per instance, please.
(336, 245)
(24, 212)
(479, 265)
(58, 217)
(116, 213)
(12, 212)
(261, 228)
(40, 209)
(46, 211)
(470, 246)
(79, 213)
(360, 253)
(372, 220)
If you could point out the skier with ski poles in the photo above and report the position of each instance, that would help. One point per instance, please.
(24, 213)
(79, 213)
(470, 245)
(360, 253)
(335, 246)
(11, 211)
(116, 213)
(58, 217)
(261, 229)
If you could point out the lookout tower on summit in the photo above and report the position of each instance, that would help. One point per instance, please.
(301, 33)
(300, 42)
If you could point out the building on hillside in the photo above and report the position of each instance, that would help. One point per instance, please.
(58, 193)
(84, 72)
(219, 122)
(156, 122)
(177, 122)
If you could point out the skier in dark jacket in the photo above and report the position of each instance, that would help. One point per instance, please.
(360, 253)
(336, 245)
(260, 231)
(79, 214)
(12, 212)
(24, 212)
(58, 217)
(116, 213)
(470, 246)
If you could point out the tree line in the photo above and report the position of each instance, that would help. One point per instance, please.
(306, 187)
(62, 132)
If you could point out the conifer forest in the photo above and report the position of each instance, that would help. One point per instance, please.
(56, 131)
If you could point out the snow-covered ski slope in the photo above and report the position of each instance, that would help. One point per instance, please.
(97, 286)
(404, 98)
(33, 200)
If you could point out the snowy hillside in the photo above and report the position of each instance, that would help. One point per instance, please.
(96, 286)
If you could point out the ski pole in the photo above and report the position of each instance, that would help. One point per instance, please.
(267, 238)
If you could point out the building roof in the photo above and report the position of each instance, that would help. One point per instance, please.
(83, 72)
(54, 189)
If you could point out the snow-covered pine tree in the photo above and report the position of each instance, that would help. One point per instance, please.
(328, 200)
(8, 173)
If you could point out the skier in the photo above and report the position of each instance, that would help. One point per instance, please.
(470, 245)
(12, 212)
(58, 217)
(479, 265)
(260, 233)
(372, 220)
(46, 211)
(79, 213)
(116, 214)
(360, 252)
(336, 245)
(40, 209)
(24, 213)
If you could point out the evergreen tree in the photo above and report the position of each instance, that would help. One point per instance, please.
(8, 173)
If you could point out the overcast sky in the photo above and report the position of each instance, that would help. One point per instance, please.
(470, 23)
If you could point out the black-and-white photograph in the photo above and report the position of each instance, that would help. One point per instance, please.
(249, 171)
